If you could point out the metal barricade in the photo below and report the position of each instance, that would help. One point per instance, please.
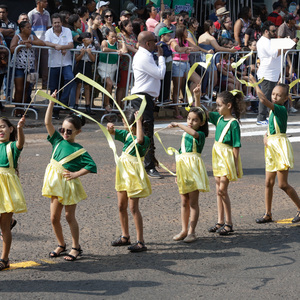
(5, 55)
(168, 88)
(290, 73)
(227, 77)
(97, 102)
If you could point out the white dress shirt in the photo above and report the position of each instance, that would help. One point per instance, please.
(147, 75)
(270, 62)
(56, 59)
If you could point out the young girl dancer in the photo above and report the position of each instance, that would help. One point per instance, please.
(61, 183)
(11, 194)
(191, 171)
(279, 155)
(226, 160)
(132, 182)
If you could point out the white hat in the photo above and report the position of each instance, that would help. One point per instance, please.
(222, 11)
(102, 3)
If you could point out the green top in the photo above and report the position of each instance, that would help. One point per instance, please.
(281, 117)
(75, 33)
(188, 142)
(120, 135)
(233, 135)
(66, 148)
(112, 58)
(4, 163)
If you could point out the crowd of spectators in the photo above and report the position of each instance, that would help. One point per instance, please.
(96, 27)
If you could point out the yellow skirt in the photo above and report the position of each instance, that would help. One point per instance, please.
(130, 180)
(191, 173)
(279, 154)
(12, 198)
(55, 185)
(223, 162)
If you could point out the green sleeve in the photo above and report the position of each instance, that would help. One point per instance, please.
(144, 147)
(15, 152)
(120, 135)
(213, 117)
(201, 139)
(88, 162)
(55, 138)
(235, 134)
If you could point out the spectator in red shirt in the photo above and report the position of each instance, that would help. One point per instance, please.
(274, 16)
(221, 13)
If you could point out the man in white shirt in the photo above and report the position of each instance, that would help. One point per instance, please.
(60, 62)
(147, 77)
(269, 69)
(40, 21)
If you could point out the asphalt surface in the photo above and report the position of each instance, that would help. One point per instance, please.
(257, 261)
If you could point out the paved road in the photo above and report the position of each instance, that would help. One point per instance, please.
(257, 261)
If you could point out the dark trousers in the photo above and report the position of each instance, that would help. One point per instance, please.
(165, 87)
(150, 161)
(267, 88)
(55, 74)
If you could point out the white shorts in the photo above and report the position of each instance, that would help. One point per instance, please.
(107, 70)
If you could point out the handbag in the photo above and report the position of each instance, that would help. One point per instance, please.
(32, 77)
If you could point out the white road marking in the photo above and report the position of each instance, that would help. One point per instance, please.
(249, 129)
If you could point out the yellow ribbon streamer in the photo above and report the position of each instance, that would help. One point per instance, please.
(104, 91)
(241, 60)
(108, 136)
(237, 64)
(234, 92)
(205, 65)
(169, 151)
(293, 83)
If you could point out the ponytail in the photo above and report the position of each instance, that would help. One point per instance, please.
(236, 98)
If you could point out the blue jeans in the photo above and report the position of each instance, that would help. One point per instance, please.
(68, 75)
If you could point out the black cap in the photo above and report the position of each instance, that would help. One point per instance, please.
(84, 35)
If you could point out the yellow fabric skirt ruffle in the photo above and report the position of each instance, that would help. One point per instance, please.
(223, 162)
(191, 173)
(55, 185)
(130, 179)
(11, 193)
(279, 155)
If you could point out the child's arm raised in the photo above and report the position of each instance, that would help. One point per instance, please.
(139, 130)
(48, 116)
(111, 128)
(261, 96)
(197, 97)
(21, 136)
(197, 94)
(187, 129)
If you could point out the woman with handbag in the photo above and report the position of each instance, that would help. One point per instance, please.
(24, 61)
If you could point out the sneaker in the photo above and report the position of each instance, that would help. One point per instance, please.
(251, 97)
(154, 173)
(293, 109)
(265, 122)
(205, 98)
(297, 218)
